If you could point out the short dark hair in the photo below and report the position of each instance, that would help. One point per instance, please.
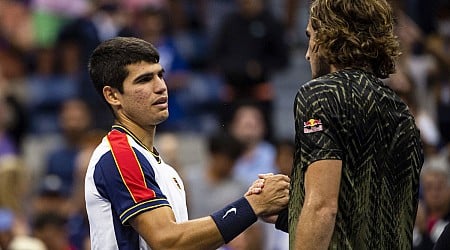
(107, 64)
(45, 219)
(226, 144)
(356, 33)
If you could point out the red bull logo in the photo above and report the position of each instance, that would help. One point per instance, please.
(312, 125)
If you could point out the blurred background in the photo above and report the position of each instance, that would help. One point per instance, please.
(233, 69)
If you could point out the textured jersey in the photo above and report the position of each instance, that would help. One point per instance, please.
(352, 116)
(124, 179)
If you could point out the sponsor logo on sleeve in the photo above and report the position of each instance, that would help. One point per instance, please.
(312, 125)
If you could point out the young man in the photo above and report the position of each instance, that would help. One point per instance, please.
(134, 200)
(358, 152)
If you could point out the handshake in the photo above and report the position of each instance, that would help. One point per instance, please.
(268, 195)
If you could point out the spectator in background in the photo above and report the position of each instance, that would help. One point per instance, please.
(247, 50)
(49, 88)
(285, 150)
(16, 25)
(48, 85)
(168, 145)
(258, 156)
(51, 229)
(10, 240)
(78, 225)
(7, 145)
(51, 196)
(284, 158)
(13, 93)
(14, 189)
(248, 126)
(75, 121)
(402, 84)
(434, 209)
(6, 224)
(439, 81)
(215, 179)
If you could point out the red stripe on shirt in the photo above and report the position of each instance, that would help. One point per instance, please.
(129, 168)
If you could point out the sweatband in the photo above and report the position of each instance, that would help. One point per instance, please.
(282, 220)
(234, 219)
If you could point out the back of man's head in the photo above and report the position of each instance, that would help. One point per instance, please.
(356, 34)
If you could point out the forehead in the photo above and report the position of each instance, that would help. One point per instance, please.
(142, 68)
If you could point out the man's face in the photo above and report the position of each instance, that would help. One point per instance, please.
(144, 98)
(319, 66)
(248, 125)
(435, 190)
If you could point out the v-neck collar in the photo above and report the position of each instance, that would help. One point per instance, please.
(123, 129)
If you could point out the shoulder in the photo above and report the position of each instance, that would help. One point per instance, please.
(319, 88)
(331, 80)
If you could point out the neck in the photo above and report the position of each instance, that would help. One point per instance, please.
(145, 135)
(438, 212)
(333, 68)
(211, 175)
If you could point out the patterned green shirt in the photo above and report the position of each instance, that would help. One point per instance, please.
(352, 116)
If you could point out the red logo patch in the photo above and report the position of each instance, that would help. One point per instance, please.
(312, 125)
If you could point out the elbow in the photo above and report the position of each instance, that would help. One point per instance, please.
(167, 242)
(328, 212)
(324, 210)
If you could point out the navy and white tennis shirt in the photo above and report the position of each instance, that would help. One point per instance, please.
(124, 179)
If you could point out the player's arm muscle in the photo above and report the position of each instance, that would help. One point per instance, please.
(160, 230)
(317, 218)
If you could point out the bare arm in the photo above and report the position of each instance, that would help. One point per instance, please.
(160, 230)
(317, 218)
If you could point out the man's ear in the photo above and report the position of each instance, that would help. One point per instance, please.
(110, 95)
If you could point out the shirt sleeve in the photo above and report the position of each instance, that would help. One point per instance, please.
(126, 179)
(318, 114)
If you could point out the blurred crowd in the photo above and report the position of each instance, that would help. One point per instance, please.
(220, 58)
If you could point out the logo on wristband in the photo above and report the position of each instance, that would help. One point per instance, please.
(233, 209)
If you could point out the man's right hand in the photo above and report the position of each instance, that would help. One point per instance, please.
(274, 196)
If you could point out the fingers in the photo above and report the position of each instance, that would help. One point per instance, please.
(263, 176)
(282, 182)
(276, 176)
(256, 187)
(253, 191)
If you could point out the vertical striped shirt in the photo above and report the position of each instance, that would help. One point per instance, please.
(351, 116)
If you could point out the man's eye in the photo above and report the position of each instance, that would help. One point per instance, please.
(145, 79)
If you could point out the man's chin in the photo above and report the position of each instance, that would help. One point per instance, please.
(162, 118)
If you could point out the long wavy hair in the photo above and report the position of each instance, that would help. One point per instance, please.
(356, 34)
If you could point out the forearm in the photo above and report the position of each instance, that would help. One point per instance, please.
(160, 230)
(315, 228)
(195, 234)
(167, 234)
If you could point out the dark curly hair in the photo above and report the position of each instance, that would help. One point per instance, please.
(356, 34)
